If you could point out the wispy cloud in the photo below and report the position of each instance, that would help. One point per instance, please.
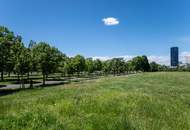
(110, 21)
(164, 60)
(185, 53)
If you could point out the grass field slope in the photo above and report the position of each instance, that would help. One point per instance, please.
(148, 101)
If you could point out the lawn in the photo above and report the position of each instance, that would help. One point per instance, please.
(149, 101)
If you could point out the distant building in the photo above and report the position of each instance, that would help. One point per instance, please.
(174, 53)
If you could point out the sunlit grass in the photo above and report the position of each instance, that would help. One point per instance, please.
(144, 101)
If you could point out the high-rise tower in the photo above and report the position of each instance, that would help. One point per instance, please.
(174, 53)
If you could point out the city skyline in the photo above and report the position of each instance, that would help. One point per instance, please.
(103, 28)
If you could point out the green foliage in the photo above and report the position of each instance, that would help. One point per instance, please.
(47, 58)
(89, 65)
(141, 64)
(154, 66)
(78, 63)
(6, 40)
(106, 67)
(68, 66)
(21, 59)
(17, 54)
(129, 65)
(145, 64)
(117, 65)
(97, 65)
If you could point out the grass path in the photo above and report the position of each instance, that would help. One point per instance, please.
(150, 101)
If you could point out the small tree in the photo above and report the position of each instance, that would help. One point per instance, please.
(154, 66)
(89, 64)
(78, 63)
(97, 65)
(47, 57)
(106, 67)
(68, 67)
(145, 64)
(22, 65)
(130, 66)
(117, 65)
(141, 64)
(16, 50)
(6, 40)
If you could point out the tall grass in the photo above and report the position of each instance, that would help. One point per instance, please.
(150, 101)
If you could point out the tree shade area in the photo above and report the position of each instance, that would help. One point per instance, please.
(149, 101)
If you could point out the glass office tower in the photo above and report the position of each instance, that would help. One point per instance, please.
(174, 56)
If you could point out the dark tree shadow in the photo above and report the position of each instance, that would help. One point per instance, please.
(9, 91)
(4, 92)
(1, 86)
(65, 80)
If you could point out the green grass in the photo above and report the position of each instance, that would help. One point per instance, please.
(5, 82)
(150, 101)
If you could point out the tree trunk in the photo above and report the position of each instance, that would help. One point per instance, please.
(31, 83)
(2, 78)
(22, 81)
(46, 76)
(18, 78)
(28, 76)
(44, 79)
(78, 74)
(69, 78)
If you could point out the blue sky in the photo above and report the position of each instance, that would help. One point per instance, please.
(147, 27)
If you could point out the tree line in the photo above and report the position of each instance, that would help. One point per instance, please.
(16, 58)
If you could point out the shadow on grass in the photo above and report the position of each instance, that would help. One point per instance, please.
(1, 86)
(9, 91)
(4, 92)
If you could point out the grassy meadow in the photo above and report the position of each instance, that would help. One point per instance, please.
(148, 101)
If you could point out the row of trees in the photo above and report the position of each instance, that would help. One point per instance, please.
(41, 57)
(21, 60)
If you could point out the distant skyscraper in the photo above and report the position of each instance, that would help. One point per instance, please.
(174, 56)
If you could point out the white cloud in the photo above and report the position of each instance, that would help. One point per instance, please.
(185, 53)
(103, 58)
(185, 57)
(110, 21)
(164, 60)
